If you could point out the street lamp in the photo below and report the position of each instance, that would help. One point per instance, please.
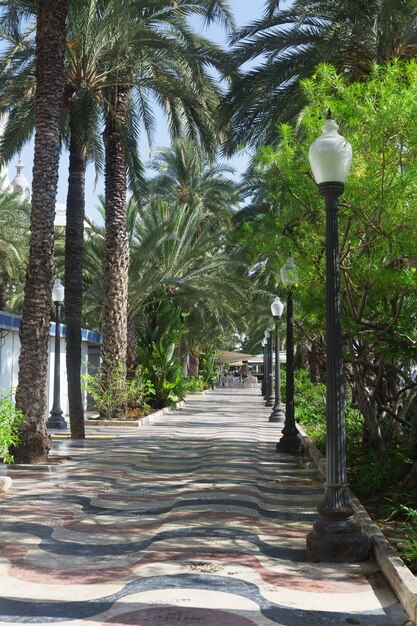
(277, 414)
(263, 388)
(266, 393)
(290, 440)
(269, 397)
(335, 536)
(56, 419)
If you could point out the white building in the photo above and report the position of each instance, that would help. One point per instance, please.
(19, 182)
(10, 350)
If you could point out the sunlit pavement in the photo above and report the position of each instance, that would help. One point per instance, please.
(193, 520)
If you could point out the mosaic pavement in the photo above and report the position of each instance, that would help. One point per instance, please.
(194, 520)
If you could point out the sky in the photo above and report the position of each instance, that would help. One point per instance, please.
(244, 11)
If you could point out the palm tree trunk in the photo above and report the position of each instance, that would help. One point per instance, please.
(184, 355)
(194, 365)
(34, 329)
(74, 254)
(116, 249)
(2, 296)
(132, 357)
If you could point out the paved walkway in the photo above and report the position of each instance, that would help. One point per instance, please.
(194, 520)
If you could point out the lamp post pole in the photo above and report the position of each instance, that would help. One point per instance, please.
(335, 536)
(290, 440)
(267, 365)
(269, 398)
(56, 419)
(277, 414)
(264, 368)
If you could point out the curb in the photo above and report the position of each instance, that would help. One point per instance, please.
(143, 421)
(401, 579)
(146, 419)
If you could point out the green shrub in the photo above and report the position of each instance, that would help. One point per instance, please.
(119, 391)
(310, 408)
(194, 385)
(10, 420)
(372, 475)
(407, 528)
(209, 369)
(310, 412)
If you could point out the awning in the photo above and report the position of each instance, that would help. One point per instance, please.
(234, 358)
(237, 358)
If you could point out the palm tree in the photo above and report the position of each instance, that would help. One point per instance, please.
(160, 57)
(173, 257)
(14, 248)
(34, 330)
(81, 132)
(88, 41)
(185, 175)
(290, 43)
(90, 37)
(198, 269)
(92, 71)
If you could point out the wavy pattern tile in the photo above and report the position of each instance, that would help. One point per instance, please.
(194, 520)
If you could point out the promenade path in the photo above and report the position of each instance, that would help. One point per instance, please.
(193, 520)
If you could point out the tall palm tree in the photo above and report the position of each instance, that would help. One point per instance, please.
(185, 175)
(288, 45)
(34, 329)
(90, 35)
(173, 257)
(159, 57)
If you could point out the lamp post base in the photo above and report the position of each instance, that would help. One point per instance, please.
(291, 443)
(56, 421)
(269, 401)
(337, 541)
(278, 414)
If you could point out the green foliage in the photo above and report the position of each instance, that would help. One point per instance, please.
(376, 215)
(310, 408)
(14, 249)
(310, 412)
(406, 526)
(194, 385)
(291, 39)
(118, 391)
(10, 420)
(371, 475)
(158, 341)
(209, 370)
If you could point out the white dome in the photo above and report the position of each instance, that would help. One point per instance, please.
(19, 183)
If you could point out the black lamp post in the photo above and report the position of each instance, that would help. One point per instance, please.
(335, 536)
(290, 440)
(266, 370)
(56, 419)
(269, 397)
(263, 389)
(277, 414)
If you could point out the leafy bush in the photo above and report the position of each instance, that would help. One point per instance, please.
(368, 473)
(10, 420)
(158, 355)
(119, 391)
(209, 370)
(372, 475)
(194, 385)
(407, 528)
(310, 412)
(310, 408)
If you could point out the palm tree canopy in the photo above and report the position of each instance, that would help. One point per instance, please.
(184, 175)
(290, 43)
(148, 46)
